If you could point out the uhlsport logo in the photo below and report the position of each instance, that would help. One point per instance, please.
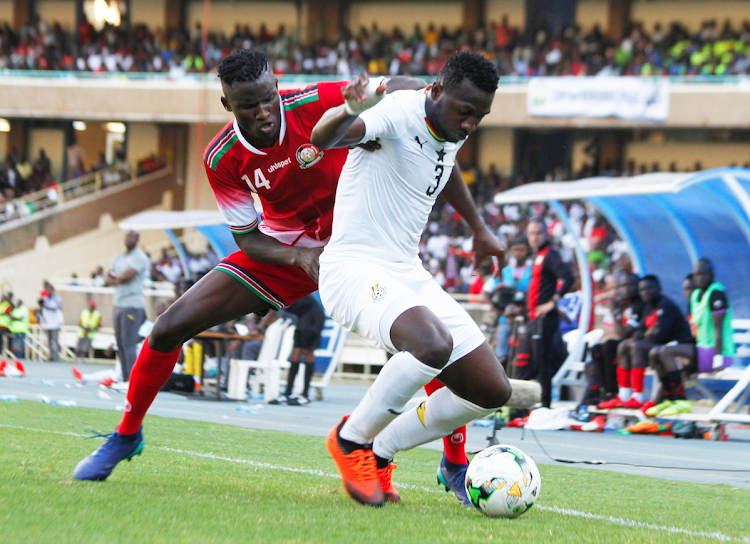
(378, 292)
(307, 155)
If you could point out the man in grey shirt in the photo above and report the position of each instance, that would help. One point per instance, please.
(127, 274)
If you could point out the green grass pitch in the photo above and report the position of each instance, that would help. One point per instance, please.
(201, 482)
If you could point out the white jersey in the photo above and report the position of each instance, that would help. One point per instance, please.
(384, 197)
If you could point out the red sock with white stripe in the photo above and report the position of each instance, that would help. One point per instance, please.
(455, 444)
(151, 371)
(636, 381)
(623, 383)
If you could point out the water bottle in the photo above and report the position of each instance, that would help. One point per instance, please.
(45, 399)
(247, 409)
(67, 403)
(8, 398)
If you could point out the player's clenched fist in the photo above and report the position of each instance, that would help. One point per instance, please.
(363, 93)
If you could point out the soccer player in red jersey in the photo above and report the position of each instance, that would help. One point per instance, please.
(265, 150)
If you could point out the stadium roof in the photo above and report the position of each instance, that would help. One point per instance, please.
(670, 221)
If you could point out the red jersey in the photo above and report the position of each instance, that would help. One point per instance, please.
(296, 182)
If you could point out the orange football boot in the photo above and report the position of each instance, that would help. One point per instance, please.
(384, 476)
(357, 469)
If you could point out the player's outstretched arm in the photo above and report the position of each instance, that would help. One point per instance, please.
(341, 126)
(266, 249)
(457, 194)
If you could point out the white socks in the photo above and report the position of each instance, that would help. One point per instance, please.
(640, 396)
(401, 377)
(625, 393)
(435, 418)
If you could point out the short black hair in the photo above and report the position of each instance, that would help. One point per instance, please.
(243, 65)
(707, 263)
(652, 278)
(472, 66)
(689, 277)
(519, 240)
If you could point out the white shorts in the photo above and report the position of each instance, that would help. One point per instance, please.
(366, 297)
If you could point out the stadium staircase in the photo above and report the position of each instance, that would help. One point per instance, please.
(76, 206)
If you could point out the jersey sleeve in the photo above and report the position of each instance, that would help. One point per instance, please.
(718, 302)
(387, 119)
(235, 203)
(329, 94)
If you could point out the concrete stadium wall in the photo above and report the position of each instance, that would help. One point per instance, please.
(6, 11)
(143, 140)
(82, 215)
(224, 15)
(3, 145)
(60, 11)
(24, 272)
(198, 194)
(690, 13)
(592, 12)
(496, 147)
(405, 15)
(52, 140)
(685, 154)
(514, 9)
(148, 12)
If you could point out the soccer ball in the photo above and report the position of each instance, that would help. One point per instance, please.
(503, 482)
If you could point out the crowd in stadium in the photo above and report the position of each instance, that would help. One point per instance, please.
(716, 49)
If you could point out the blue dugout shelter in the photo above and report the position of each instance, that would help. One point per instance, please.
(669, 220)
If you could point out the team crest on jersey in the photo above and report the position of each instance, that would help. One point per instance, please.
(307, 155)
(378, 292)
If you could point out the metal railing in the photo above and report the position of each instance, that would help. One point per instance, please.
(55, 195)
(305, 78)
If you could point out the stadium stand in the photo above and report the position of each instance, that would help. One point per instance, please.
(671, 50)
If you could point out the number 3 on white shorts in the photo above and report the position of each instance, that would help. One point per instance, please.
(260, 181)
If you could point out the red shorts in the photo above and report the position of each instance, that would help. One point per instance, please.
(279, 285)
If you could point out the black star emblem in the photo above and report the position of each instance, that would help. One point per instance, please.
(441, 155)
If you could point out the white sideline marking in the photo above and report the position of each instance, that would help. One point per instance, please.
(554, 509)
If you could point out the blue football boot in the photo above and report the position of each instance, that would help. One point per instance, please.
(452, 476)
(102, 462)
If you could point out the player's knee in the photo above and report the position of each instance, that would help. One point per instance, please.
(493, 394)
(166, 335)
(435, 349)
(654, 356)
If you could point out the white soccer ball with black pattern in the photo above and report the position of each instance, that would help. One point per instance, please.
(503, 482)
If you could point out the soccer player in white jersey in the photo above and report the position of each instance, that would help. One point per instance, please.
(373, 283)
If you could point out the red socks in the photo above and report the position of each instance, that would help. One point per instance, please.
(151, 371)
(453, 445)
(636, 379)
(623, 377)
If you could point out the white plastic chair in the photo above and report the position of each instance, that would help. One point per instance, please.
(239, 369)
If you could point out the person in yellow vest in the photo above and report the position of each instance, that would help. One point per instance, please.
(6, 307)
(19, 328)
(89, 322)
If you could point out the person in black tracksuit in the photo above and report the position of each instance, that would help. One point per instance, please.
(545, 349)
(310, 319)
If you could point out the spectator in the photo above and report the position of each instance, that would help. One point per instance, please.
(545, 350)
(127, 274)
(89, 323)
(19, 328)
(97, 277)
(514, 277)
(51, 319)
